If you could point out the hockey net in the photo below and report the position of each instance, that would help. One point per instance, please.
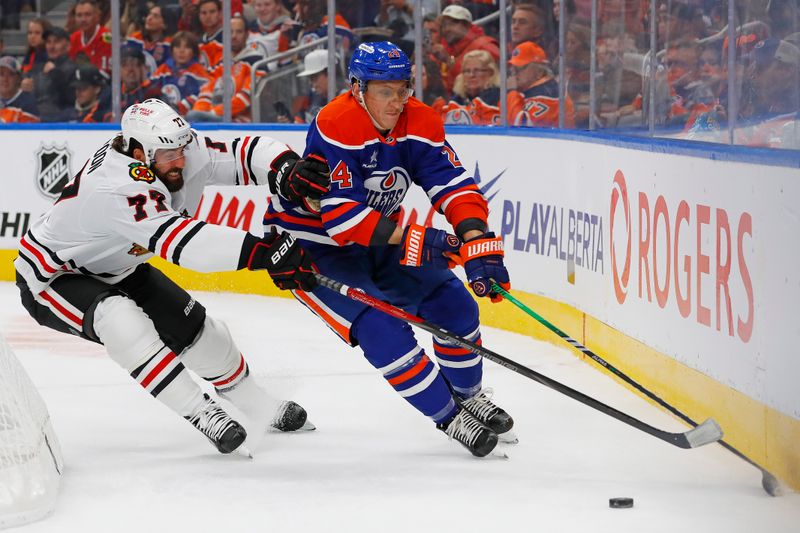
(30, 457)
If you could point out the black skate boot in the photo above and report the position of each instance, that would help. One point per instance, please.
(291, 416)
(469, 431)
(224, 433)
(483, 409)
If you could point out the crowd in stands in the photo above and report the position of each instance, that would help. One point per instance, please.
(174, 51)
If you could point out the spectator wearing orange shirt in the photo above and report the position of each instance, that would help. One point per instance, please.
(90, 43)
(210, 14)
(459, 36)
(534, 102)
(476, 92)
(16, 105)
(209, 106)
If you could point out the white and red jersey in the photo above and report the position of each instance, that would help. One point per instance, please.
(116, 214)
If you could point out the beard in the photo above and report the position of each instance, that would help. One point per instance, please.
(172, 178)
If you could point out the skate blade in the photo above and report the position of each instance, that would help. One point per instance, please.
(498, 454)
(308, 426)
(244, 451)
(509, 437)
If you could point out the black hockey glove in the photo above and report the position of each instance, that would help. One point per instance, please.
(288, 264)
(428, 247)
(299, 180)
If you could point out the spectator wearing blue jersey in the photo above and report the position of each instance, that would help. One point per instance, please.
(378, 140)
(180, 78)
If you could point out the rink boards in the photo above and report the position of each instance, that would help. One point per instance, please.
(677, 264)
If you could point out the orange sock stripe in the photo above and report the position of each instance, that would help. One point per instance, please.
(411, 372)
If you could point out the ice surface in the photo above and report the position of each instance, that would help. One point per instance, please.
(373, 464)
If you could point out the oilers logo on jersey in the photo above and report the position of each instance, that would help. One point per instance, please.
(458, 116)
(386, 189)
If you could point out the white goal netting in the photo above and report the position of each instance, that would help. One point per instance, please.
(30, 457)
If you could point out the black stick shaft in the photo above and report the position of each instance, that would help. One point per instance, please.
(677, 439)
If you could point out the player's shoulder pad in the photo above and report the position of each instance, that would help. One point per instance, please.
(344, 123)
(422, 122)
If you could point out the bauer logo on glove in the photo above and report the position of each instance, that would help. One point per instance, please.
(284, 248)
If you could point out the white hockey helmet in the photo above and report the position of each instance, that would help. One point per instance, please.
(156, 126)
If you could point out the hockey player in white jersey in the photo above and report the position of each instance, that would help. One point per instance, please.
(81, 267)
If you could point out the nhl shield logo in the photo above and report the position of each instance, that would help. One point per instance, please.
(52, 169)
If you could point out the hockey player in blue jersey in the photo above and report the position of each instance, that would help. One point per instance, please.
(378, 140)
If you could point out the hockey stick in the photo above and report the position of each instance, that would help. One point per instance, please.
(768, 481)
(707, 432)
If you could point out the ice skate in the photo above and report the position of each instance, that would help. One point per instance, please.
(224, 433)
(482, 408)
(291, 416)
(479, 439)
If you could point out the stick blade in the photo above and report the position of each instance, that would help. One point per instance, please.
(706, 433)
(771, 484)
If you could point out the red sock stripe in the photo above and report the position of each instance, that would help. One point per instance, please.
(446, 350)
(159, 367)
(411, 372)
(235, 375)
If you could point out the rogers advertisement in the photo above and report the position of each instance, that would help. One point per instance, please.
(694, 257)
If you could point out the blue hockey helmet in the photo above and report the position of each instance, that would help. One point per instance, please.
(379, 61)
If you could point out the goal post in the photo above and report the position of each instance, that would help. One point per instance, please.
(30, 456)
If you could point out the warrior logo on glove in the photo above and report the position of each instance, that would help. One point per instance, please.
(428, 247)
(482, 258)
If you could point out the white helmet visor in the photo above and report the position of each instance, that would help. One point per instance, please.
(168, 155)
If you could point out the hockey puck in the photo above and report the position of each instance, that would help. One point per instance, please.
(620, 503)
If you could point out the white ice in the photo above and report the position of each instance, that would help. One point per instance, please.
(373, 464)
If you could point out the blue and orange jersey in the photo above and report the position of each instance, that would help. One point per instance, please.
(21, 107)
(158, 50)
(180, 85)
(211, 49)
(371, 174)
(343, 32)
